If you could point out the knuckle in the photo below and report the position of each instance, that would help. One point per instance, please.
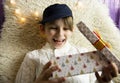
(53, 68)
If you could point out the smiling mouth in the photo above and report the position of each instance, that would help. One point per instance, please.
(58, 41)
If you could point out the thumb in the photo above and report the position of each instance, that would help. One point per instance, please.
(98, 77)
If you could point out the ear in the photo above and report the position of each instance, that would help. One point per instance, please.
(42, 29)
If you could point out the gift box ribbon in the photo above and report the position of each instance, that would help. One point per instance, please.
(100, 43)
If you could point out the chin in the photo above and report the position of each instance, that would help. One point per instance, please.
(58, 46)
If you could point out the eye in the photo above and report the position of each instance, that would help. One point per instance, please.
(53, 27)
(66, 28)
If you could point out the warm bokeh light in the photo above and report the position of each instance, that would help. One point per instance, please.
(13, 2)
(22, 20)
(36, 14)
(17, 11)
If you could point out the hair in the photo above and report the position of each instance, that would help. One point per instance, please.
(68, 21)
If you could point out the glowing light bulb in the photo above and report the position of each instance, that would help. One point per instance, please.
(80, 4)
(17, 11)
(22, 20)
(36, 13)
(13, 2)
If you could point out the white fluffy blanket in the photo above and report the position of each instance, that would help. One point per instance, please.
(19, 38)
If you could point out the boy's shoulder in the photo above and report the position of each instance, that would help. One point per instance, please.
(35, 55)
(39, 52)
(36, 52)
(33, 51)
(32, 54)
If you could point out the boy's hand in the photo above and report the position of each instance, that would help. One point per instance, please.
(46, 74)
(108, 73)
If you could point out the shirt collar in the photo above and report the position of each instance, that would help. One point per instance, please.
(63, 50)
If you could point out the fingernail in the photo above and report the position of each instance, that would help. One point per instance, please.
(55, 68)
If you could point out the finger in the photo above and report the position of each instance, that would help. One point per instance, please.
(98, 77)
(119, 72)
(47, 65)
(58, 80)
(49, 71)
(114, 69)
(106, 75)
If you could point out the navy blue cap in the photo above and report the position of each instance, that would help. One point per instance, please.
(56, 11)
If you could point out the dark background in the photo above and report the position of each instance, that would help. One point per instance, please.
(2, 18)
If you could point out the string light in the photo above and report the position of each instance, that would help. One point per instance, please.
(80, 4)
(36, 14)
(17, 12)
(22, 20)
(13, 2)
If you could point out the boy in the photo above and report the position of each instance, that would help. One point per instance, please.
(57, 26)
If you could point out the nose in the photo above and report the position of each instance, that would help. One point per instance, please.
(60, 32)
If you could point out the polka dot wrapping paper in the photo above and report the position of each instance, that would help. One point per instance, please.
(77, 64)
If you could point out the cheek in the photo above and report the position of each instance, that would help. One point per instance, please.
(69, 34)
(50, 33)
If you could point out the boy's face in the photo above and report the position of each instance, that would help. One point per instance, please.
(57, 33)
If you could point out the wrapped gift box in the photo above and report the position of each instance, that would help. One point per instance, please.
(98, 44)
(78, 64)
(88, 62)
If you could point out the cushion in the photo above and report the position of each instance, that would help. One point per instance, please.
(21, 33)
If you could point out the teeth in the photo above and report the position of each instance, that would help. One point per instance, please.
(58, 40)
